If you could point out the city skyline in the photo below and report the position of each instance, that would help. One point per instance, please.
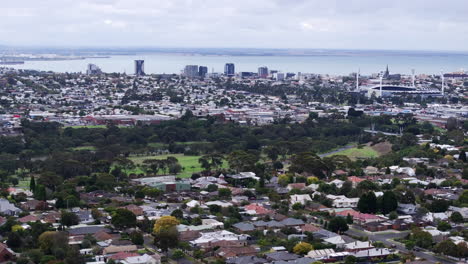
(265, 24)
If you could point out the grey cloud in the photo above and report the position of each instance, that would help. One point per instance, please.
(392, 24)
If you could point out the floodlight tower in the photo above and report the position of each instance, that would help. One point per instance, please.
(413, 77)
(381, 82)
(443, 82)
(357, 80)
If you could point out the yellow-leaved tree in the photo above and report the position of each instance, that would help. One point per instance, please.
(165, 232)
(302, 248)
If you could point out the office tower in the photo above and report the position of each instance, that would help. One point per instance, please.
(246, 74)
(202, 71)
(139, 67)
(279, 76)
(263, 72)
(191, 71)
(290, 75)
(229, 69)
(93, 69)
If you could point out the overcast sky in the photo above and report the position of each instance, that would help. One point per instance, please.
(341, 24)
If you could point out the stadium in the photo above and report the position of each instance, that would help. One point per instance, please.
(395, 90)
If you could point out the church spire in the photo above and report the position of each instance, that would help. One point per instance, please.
(387, 73)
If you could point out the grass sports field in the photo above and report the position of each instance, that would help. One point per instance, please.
(190, 163)
(359, 153)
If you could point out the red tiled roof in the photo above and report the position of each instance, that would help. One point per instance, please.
(28, 218)
(300, 185)
(357, 215)
(355, 179)
(123, 255)
(257, 208)
(310, 228)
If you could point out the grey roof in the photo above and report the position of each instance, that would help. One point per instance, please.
(322, 233)
(84, 215)
(83, 230)
(296, 261)
(244, 226)
(285, 256)
(272, 223)
(246, 260)
(292, 222)
(6, 206)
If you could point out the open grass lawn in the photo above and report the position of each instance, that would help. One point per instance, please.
(24, 184)
(90, 148)
(89, 126)
(188, 143)
(190, 163)
(359, 153)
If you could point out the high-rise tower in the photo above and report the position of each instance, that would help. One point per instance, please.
(229, 69)
(139, 67)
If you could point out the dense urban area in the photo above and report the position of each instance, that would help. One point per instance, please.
(232, 167)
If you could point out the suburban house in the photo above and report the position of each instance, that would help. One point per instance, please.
(8, 208)
(6, 254)
(341, 201)
(144, 259)
(300, 198)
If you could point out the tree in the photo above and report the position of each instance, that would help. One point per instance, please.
(350, 259)
(212, 188)
(14, 240)
(410, 244)
(297, 206)
(338, 224)
(40, 193)
(349, 219)
(283, 179)
(346, 188)
(211, 161)
(105, 181)
(123, 218)
(456, 217)
(224, 193)
(35, 255)
(165, 232)
(272, 152)
(408, 197)
(462, 249)
(137, 238)
(178, 254)
(443, 226)
(367, 185)
(463, 199)
(367, 203)
(439, 206)
(302, 248)
(422, 238)
(50, 240)
(69, 219)
(446, 247)
(389, 202)
(393, 215)
(50, 180)
(462, 156)
(73, 256)
(310, 163)
(177, 213)
(32, 184)
(240, 160)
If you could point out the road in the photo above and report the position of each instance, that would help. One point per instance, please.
(385, 237)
